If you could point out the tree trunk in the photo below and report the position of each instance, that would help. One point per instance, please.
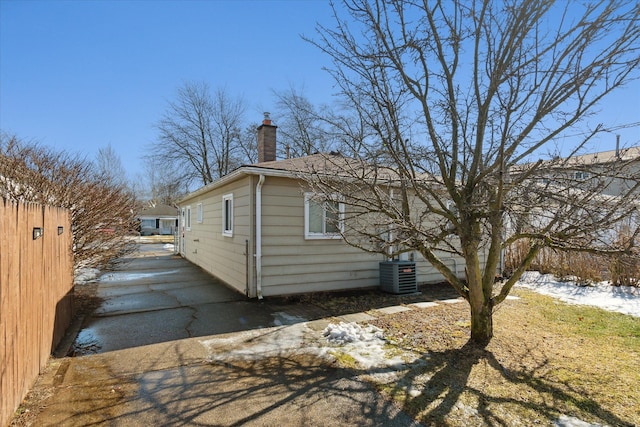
(480, 292)
(481, 322)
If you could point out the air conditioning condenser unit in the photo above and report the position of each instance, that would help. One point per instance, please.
(398, 277)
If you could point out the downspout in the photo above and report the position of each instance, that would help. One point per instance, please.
(390, 233)
(259, 236)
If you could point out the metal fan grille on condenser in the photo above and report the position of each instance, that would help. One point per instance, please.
(398, 277)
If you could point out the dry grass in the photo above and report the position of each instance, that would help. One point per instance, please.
(545, 360)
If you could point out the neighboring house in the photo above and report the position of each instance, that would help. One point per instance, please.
(158, 219)
(252, 229)
(617, 170)
(594, 199)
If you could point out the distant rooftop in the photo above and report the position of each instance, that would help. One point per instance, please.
(160, 210)
(624, 154)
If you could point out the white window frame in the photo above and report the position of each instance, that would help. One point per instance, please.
(309, 235)
(187, 220)
(199, 213)
(227, 228)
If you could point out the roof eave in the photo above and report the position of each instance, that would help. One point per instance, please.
(235, 175)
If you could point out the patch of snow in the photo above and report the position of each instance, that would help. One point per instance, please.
(282, 318)
(124, 276)
(344, 333)
(260, 343)
(567, 421)
(466, 410)
(384, 376)
(622, 299)
(414, 392)
(85, 275)
(169, 247)
(364, 344)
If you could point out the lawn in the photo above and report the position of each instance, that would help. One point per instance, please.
(548, 362)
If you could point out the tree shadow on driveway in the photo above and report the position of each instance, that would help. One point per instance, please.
(173, 384)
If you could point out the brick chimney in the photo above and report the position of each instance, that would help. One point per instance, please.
(266, 140)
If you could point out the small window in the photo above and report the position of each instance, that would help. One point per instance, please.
(188, 218)
(581, 175)
(148, 223)
(323, 218)
(227, 215)
(199, 213)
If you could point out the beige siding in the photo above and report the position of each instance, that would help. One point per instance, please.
(206, 246)
(292, 264)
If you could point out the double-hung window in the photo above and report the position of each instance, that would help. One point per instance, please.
(199, 217)
(227, 215)
(323, 216)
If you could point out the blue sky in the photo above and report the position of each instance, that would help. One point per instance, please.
(79, 75)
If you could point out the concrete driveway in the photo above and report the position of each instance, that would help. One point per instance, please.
(156, 297)
(175, 347)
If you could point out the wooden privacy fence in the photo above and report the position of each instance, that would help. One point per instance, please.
(36, 294)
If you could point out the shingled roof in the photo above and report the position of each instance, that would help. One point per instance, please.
(622, 154)
(159, 211)
(323, 164)
(333, 163)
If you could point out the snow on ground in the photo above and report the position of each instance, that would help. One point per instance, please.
(85, 275)
(169, 247)
(257, 344)
(123, 276)
(281, 318)
(567, 421)
(351, 333)
(622, 299)
(366, 345)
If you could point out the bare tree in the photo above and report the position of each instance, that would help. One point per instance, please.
(109, 167)
(199, 134)
(102, 214)
(302, 128)
(248, 152)
(163, 185)
(457, 100)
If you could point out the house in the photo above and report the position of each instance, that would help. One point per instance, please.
(254, 230)
(158, 219)
(586, 203)
(613, 172)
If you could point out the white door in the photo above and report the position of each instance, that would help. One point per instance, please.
(182, 251)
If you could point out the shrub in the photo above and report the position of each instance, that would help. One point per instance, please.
(102, 212)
